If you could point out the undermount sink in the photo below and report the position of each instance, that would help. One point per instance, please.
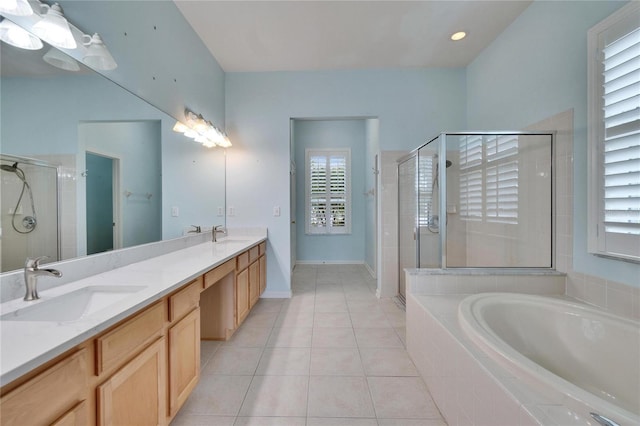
(73, 306)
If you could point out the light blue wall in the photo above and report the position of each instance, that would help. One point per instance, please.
(537, 68)
(322, 134)
(412, 105)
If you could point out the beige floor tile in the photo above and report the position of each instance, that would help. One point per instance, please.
(270, 421)
(332, 319)
(295, 318)
(333, 338)
(335, 305)
(183, 419)
(371, 319)
(271, 396)
(231, 361)
(290, 337)
(261, 319)
(364, 306)
(387, 362)
(402, 397)
(217, 395)
(377, 338)
(284, 362)
(249, 337)
(339, 397)
(340, 421)
(412, 422)
(329, 289)
(336, 362)
(268, 305)
(397, 319)
(402, 334)
(359, 294)
(207, 349)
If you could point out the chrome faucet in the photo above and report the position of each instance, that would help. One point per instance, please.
(215, 230)
(31, 272)
(197, 229)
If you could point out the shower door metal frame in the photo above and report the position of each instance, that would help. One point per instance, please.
(42, 163)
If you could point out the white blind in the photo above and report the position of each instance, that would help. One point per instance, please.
(489, 178)
(621, 116)
(328, 192)
(424, 189)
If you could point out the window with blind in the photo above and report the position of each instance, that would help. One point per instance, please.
(328, 192)
(614, 135)
(489, 178)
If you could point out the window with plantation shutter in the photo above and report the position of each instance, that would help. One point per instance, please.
(424, 189)
(489, 178)
(328, 193)
(614, 135)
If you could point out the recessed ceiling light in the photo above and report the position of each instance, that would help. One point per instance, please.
(458, 36)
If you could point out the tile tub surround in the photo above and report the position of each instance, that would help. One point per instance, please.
(25, 345)
(469, 387)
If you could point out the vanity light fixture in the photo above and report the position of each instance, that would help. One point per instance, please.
(15, 7)
(201, 130)
(19, 37)
(59, 60)
(97, 55)
(54, 27)
(458, 36)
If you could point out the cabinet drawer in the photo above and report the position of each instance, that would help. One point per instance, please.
(219, 272)
(121, 342)
(49, 395)
(185, 300)
(242, 261)
(254, 253)
(263, 248)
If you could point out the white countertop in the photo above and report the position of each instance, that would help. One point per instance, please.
(25, 345)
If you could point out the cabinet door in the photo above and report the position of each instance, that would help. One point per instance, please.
(242, 296)
(254, 283)
(49, 395)
(263, 274)
(136, 394)
(77, 416)
(184, 359)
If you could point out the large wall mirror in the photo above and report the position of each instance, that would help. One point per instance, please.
(89, 167)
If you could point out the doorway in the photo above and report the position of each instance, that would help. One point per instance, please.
(102, 184)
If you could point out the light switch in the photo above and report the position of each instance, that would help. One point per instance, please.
(220, 211)
(231, 211)
(175, 211)
(276, 211)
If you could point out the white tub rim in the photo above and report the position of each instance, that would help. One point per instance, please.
(482, 335)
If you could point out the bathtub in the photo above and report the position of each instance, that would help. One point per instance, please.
(587, 357)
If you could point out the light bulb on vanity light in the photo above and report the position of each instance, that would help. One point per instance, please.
(60, 60)
(97, 55)
(54, 28)
(17, 36)
(15, 7)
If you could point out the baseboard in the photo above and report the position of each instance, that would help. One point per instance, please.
(276, 294)
(371, 271)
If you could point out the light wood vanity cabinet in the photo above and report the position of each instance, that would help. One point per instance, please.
(54, 396)
(141, 370)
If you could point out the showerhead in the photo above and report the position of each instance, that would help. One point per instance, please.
(8, 168)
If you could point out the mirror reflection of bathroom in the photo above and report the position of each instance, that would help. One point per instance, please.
(29, 211)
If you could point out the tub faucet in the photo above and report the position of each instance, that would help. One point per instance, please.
(31, 272)
(215, 230)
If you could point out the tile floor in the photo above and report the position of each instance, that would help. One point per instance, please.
(332, 355)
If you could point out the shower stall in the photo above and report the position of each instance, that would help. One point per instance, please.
(29, 211)
(476, 200)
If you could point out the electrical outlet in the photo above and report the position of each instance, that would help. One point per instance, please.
(175, 211)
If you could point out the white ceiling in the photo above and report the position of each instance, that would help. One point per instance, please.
(334, 35)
